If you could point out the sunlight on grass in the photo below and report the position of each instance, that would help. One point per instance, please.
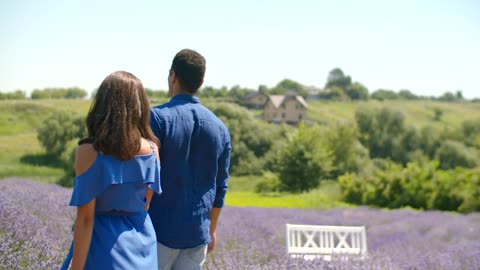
(242, 194)
(305, 200)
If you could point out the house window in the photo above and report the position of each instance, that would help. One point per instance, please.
(283, 115)
(300, 117)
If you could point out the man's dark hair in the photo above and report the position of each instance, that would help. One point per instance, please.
(189, 68)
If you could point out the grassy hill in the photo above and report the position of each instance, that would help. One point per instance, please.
(418, 113)
(21, 154)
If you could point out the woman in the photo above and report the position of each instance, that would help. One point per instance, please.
(117, 170)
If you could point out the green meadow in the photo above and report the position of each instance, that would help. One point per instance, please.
(21, 155)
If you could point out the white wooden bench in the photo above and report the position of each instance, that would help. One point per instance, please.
(312, 241)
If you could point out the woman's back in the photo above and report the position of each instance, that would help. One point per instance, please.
(117, 185)
(123, 235)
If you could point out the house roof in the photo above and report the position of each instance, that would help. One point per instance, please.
(277, 100)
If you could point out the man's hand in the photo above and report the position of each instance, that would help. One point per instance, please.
(211, 245)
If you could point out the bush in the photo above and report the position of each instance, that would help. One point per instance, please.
(347, 153)
(59, 135)
(471, 132)
(251, 138)
(421, 186)
(453, 154)
(304, 160)
(380, 131)
(269, 183)
(68, 161)
(58, 130)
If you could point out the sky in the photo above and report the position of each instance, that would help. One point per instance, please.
(428, 47)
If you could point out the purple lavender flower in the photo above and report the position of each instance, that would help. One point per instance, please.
(35, 224)
(35, 232)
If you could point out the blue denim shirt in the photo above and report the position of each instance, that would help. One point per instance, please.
(195, 157)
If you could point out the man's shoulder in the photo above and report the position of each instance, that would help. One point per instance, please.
(162, 109)
(211, 116)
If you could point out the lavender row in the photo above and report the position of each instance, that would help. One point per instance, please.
(35, 224)
(35, 232)
(254, 238)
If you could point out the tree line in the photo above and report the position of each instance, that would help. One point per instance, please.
(48, 93)
(338, 87)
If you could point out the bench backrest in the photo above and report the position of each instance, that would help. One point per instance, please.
(326, 240)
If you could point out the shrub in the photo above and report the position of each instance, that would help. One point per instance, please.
(68, 161)
(58, 130)
(347, 153)
(471, 132)
(304, 160)
(269, 183)
(419, 185)
(251, 138)
(453, 154)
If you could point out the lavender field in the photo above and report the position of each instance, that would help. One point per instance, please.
(35, 233)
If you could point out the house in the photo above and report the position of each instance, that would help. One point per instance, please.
(255, 100)
(290, 109)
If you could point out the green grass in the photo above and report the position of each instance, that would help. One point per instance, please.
(241, 193)
(24, 116)
(314, 200)
(21, 154)
(418, 113)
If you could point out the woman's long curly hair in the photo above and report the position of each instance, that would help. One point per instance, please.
(119, 116)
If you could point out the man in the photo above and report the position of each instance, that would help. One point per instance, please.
(195, 157)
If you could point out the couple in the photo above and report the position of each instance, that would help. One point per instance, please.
(125, 218)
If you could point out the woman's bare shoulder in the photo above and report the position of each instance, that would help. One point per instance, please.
(146, 148)
(84, 158)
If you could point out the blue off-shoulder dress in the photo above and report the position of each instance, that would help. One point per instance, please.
(123, 236)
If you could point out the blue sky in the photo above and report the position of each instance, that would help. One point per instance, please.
(428, 47)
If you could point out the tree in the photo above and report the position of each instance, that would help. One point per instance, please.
(238, 93)
(357, 91)
(459, 95)
(305, 160)
(448, 97)
(58, 129)
(381, 131)
(57, 93)
(18, 94)
(347, 153)
(406, 94)
(332, 93)
(336, 77)
(286, 85)
(384, 94)
(452, 154)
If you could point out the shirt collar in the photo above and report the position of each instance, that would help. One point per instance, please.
(186, 97)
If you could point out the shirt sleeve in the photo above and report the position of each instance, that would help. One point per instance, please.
(222, 175)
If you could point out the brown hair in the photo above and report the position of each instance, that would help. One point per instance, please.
(119, 116)
(189, 67)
